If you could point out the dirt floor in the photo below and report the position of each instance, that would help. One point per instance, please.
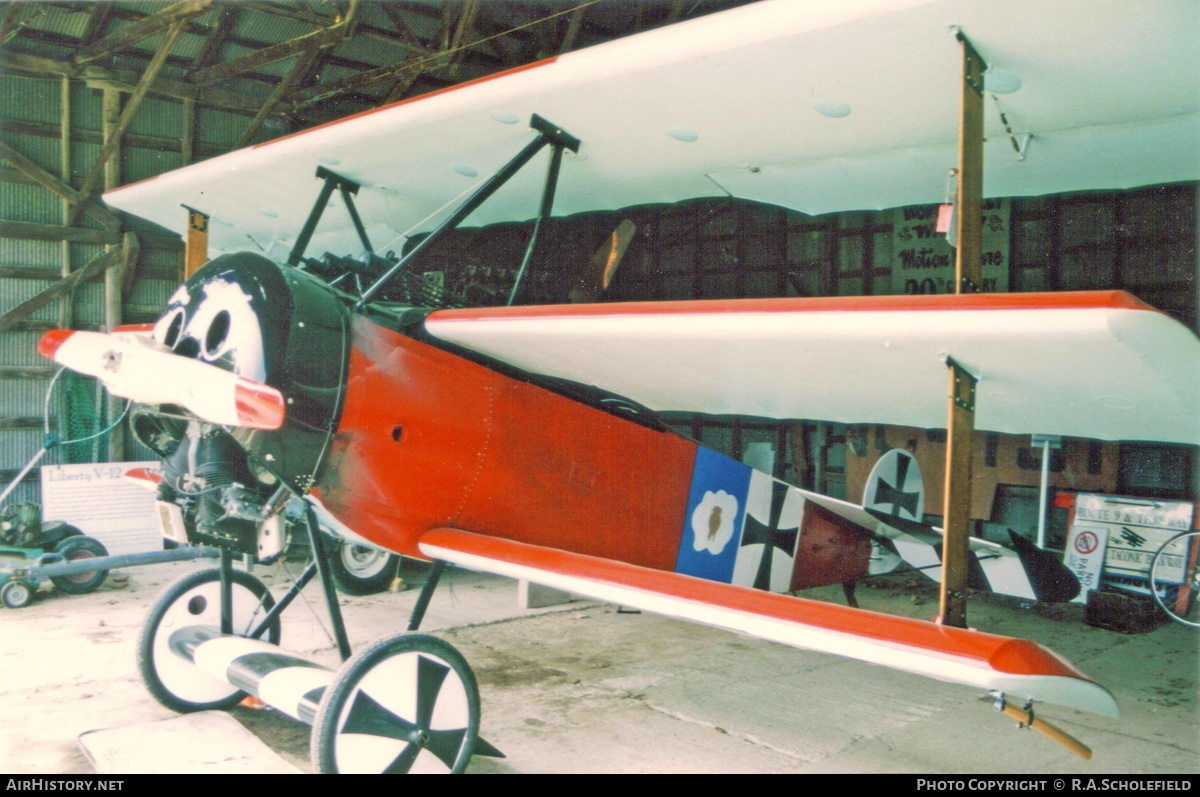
(586, 688)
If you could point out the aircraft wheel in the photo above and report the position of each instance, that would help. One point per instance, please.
(406, 704)
(195, 599)
(73, 549)
(1166, 578)
(16, 594)
(361, 569)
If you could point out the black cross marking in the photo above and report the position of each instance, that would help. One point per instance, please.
(887, 494)
(770, 536)
(369, 717)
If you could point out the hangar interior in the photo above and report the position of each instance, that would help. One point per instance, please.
(99, 95)
(244, 73)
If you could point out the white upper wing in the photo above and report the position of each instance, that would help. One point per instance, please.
(737, 103)
(1097, 365)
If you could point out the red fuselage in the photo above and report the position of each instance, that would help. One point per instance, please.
(428, 439)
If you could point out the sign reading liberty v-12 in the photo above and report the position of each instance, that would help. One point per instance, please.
(923, 260)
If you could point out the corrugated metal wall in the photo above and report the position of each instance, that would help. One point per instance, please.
(30, 122)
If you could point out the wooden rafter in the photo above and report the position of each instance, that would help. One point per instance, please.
(32, 231)
(47, 180)
(92, 137)
(310, 42)
(152, 25)
(405, 72)
(401, 87)
(124, 80)
(302, 67)
(131, 106)
(211, 50)
(38, 174)
(464, 26)
(573, 29)
(93, 269)
(288, 12)
(8, 23)
(403, 31)
(411, 67)
(97, 23)
(226, 36)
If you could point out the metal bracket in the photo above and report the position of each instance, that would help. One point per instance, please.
(964, 385)
(347, 188)
(549, 134)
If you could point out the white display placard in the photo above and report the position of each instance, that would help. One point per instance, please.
(1137, 528)
(1084, 557)
(102, 504)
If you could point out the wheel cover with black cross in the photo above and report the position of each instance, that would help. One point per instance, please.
(407, 704)
(193, 600)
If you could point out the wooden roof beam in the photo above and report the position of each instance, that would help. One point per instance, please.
(210, 51)
(98, 18)
(8, 25)
(309, 17)
(573, 29)
(310, 42)
(47, 180)
(64, 286)
(413, 67)
(404, 34)
(131, 106)
(302, 67)
(142, 29)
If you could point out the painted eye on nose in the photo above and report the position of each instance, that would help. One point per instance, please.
(218, 331)
(174, 327)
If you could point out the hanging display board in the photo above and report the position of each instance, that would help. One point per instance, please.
(100, 502)
(923, 260)
(1137, 528)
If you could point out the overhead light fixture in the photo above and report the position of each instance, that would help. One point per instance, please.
(685, 134)
(465, 171)
(998, 81)
(504, 118)
(834, 109)
(328, 161)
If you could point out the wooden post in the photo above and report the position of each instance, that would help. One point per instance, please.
(956, 509)
(196, 249)
(960, 424)
(188, 141)
(114, 277)
(968, 263)
(66, 307)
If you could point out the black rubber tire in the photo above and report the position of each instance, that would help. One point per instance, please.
(203, 604)
(436, 660)
(75, 548)
(360, 569)
(15, 594)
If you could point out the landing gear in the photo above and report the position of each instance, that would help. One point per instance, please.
(361, 569)
(195, 600)
(406, 704)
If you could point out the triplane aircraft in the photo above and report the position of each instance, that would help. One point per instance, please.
(288, 393)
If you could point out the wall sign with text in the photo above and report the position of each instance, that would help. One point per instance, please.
(923, 260)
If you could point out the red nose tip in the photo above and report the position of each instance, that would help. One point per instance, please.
(52, 340)
(258, 406)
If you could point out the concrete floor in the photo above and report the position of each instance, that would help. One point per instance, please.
(584, 688)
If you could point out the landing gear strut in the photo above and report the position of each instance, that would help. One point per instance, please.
(407, 703)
